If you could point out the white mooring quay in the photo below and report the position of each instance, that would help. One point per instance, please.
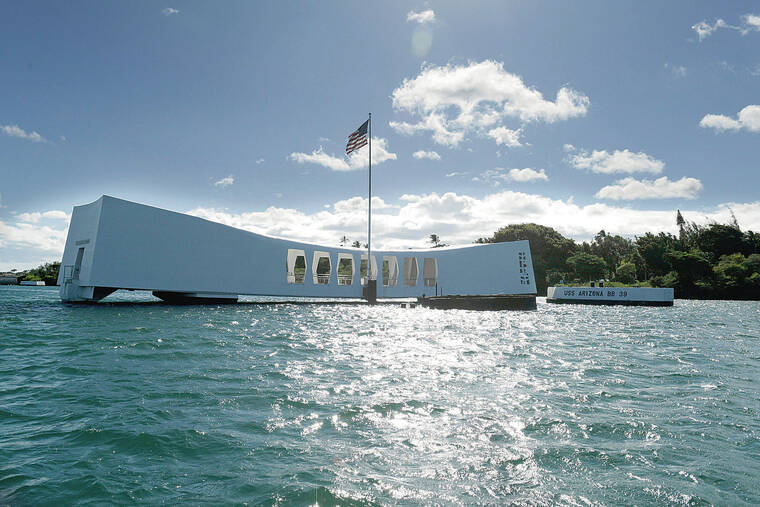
(116, 244)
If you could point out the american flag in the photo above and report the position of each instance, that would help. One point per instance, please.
(358, 138)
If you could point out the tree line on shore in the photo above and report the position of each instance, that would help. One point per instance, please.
(712, 261)
(47, 273)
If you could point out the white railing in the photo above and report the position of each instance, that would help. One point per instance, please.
(390, 281)
(296, 277)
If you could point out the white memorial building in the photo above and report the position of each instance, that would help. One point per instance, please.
(115, 244)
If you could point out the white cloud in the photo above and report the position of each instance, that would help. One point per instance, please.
(169, 11)
(498, 175)
(460, 219)
(676, 70)
(748, 118)
(527, 174)
(357, 160)
(16, 131)
(225, 182)
(629, 189)
(259, 161)
(751, 22)
(505, 136)
(36, 216)
(625, 161)
(456, 173)
(30, 241)
(704, 29)
(454, 100)
(432, 155)
(427, 16)
(567, 148)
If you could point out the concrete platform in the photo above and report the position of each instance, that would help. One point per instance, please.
(483, 302)
(608, 296)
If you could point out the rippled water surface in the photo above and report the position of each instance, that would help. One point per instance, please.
(302, 404)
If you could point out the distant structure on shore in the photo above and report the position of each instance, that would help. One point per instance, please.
(609, 296)
(9, 279)
(115, 244)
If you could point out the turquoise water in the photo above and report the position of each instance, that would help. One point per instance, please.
(295, 405)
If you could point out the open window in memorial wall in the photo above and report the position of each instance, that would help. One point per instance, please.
(345, 269)
(296, 266)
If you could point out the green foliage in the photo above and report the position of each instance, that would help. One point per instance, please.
(323, 266)
(652, 250)
(587, 266)
(612, 248)
(712, 261)
(436, 241)
(626, 273)
(691, 267)
(47, 273)
(549, 249)
(345, 267)
(554, 277)
(672, 280)
(739, 275)
(719, 239)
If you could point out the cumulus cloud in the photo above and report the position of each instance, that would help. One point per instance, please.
(751, 22)
(225, 182)
(629, 189)
(422, 17)
(748, 119)
(498, 175)
(16, 131)
(454, 100)
(460, 219)
(35, 217)
(169, 11)
(432, 155)
(625, 161)
(527, 174)
(31, 238)
(357, 160)
(505, 136)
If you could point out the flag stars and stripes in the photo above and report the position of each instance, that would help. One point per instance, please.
(358, 138)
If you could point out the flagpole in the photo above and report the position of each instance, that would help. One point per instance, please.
(369, 213)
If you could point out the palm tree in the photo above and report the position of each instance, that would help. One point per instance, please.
(344, 240)
(435, 240)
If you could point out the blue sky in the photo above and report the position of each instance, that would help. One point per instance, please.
(576, 116)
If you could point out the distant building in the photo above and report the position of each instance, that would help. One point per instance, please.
(8, 279)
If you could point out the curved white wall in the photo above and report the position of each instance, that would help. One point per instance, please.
(133, 246)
